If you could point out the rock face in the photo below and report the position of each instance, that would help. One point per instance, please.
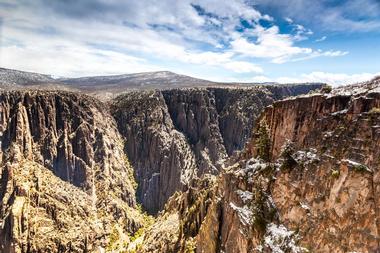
(174, 135)
(160, 154)
(332, 193)
(65, 181)
(318, 192)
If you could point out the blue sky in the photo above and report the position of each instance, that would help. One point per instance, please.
(244, 41)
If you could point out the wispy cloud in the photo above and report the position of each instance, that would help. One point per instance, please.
(335, 79)
(337, 16)
(323, 38)
(108, 37)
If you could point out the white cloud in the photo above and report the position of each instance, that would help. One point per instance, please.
(338, 78)
(72, 60)
(334, 79)
(321, 39)
(106, 37)
(289, 20)
(342, 16)
(93, 43)
(278, 47)
(243, 67)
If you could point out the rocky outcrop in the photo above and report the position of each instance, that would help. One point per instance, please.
(174, 135)
(331, 193)
(232, 213)
(317, 192)
(65, 181)
(162, 159)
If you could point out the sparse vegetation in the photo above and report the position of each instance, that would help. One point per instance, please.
(286, 154)
(263, 144)
(360, 168)
(131, 176)
(326, 89)
(190, 245)
(114, 238)
(374, 110)
(335, 173)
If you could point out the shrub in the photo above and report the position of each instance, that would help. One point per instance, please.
(287, 156)
(326, 89)
(374, 110)
(360, 168)
(335, 173)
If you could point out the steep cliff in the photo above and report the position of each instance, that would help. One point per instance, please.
(65, 181)
(174, 135)
(161, 157)
(314, 190)
(332, 191)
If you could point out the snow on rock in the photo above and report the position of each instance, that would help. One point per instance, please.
(280, 240)
(245, 196)
(339, 112)
(304, 206)
(306, 157)
(244, 213)
(356, 165)
(252, 167)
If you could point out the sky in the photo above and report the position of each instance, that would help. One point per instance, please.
(337, 42)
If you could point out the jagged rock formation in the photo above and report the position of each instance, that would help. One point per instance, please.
(332, 201)
(308, 180)
(319, 192)
(162, 158)
(232, 213)
(65, 181)
(173, 135)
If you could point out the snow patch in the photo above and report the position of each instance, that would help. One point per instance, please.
(252, 167)
(280, 240)
(245, 196)
(339, 112)
(306, 157)
(244, 213)
(357, 165)
(304, 206)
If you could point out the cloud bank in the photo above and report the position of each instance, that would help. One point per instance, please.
(82, 36)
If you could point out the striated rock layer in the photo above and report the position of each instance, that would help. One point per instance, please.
(65, 181)
(315, 190)
(174, 135)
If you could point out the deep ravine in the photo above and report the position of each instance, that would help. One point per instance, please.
(74, 172)
(177, 134)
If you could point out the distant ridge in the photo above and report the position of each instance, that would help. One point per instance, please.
(145, 80)
(108, 86)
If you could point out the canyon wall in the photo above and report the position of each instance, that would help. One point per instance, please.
(177, 134)
(318, 192)
(65, 181)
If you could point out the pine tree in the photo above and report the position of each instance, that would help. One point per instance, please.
(263, 144)
(287, 156)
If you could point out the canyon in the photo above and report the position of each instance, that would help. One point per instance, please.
(212, 168)
(307, 182)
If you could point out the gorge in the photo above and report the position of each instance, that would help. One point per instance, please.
(220, 168)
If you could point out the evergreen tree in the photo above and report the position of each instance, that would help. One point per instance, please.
(263, 144)
(287, 156)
